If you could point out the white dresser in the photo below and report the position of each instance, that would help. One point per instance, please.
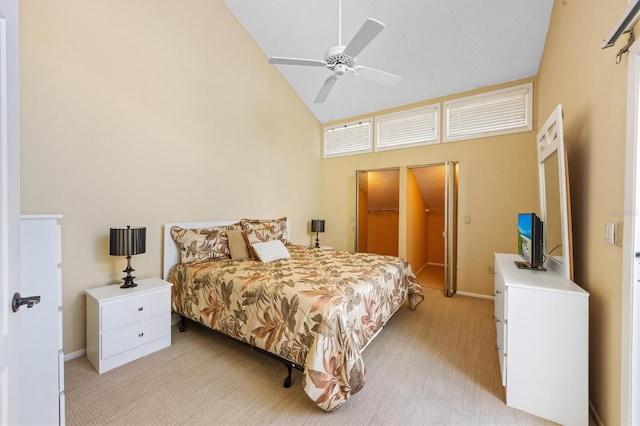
(542, 325)
(124, 324)
(42, 369)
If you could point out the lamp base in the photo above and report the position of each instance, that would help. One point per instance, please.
(317, 241)
(128, 282)
(128, 279)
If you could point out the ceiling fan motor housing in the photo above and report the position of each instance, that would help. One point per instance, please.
(337, 61)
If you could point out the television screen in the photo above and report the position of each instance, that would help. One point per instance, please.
(530, 239)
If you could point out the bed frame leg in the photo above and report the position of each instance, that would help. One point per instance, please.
(287, 380)
(183, 324)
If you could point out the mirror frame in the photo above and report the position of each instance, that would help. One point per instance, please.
(550, 140)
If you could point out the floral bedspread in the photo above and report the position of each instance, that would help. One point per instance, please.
(318, 309)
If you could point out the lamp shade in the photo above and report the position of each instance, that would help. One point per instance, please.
(127, 241)
(317, 225)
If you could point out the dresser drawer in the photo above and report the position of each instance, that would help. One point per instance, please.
(140, 333)
(131, 309)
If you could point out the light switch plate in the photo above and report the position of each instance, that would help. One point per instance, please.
(610, 233)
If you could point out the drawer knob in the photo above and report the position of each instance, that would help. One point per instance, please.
(498, 292)
(140, 334)
(140, 308)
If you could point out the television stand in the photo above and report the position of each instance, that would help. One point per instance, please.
(525, 265)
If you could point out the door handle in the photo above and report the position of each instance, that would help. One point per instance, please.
(19, 301)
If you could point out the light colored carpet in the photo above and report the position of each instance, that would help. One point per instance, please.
(431, 276)
(436, 365)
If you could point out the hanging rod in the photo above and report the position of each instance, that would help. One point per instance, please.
(625, 48)
(624, 25)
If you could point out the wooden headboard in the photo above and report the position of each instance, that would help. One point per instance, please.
(171, 255)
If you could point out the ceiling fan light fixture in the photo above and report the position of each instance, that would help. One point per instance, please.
(340, 69)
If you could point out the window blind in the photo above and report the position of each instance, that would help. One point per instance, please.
(415, 127)
(353, 138)
(494, 113)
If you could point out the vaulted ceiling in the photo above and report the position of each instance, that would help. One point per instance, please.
(439, 47)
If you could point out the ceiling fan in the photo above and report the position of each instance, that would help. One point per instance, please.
(340, 59)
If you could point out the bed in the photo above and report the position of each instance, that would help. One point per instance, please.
(313, 309)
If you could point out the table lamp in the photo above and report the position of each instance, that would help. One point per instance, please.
(127, 242)
(317, 226)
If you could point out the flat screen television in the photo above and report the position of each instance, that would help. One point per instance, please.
(530, 241)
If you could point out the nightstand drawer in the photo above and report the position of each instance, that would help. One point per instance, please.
(131, 309)
(140, 333)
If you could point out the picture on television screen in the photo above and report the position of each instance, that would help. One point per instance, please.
(530, 240)
(525, 236)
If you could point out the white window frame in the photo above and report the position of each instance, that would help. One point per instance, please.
(482, 104)
(390, 138)
(351, 147)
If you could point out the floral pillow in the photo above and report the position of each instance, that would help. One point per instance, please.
(202, 244)
(263, 230)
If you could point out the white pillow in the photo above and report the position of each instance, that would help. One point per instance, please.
(271, 250)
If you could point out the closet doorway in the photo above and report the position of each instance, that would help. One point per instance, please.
(432, 216)
(428, 222)
(425, 225)
(378, 206)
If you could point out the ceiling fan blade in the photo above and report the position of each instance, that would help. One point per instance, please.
(325, 89)
(297, 61)
(369, 30)
(378, 76)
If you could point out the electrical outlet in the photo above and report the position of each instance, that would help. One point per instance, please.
(490, 270)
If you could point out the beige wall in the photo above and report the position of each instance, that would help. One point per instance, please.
(150, 112)
(417, 225)
(585, 79)
(382, 233)
(498, 179)
(435, 242)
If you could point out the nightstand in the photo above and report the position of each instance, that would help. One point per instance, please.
(124, 324)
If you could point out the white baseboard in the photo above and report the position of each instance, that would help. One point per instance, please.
(479, 296)
(76, 354)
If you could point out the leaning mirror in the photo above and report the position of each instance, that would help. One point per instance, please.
(555, 206)
(551, 200)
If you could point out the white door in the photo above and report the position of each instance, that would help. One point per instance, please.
(630, 377)
(631, 257)
(10, 388)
